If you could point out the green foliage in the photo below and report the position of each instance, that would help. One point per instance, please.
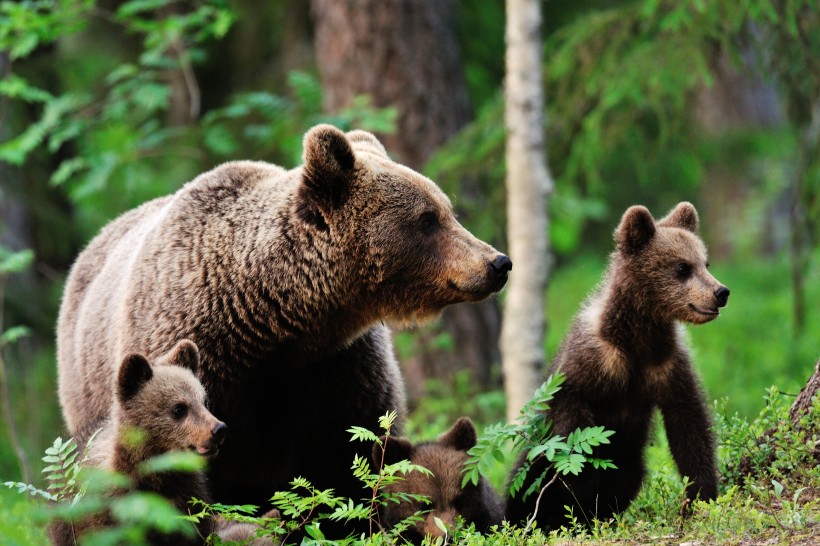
(121, 137)
(531, 435)
(304, 507)
(620, 85)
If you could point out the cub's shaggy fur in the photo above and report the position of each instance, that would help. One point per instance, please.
(445, 458)
(163, 406)
(625, 356)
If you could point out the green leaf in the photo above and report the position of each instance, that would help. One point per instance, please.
(361, 434)
(313, 531)
(13, 334)
(15, 87)
(176, 461)
(67, 169)
(440, 524)
(778, 488)
(15, 262)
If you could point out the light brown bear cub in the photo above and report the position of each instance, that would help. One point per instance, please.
(445, 458)
(625, 356)
(163, 405)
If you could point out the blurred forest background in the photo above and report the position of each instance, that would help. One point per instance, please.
(106, 104)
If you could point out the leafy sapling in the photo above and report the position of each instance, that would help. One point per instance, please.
(531, 435)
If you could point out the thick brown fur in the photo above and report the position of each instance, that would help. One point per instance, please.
(625, 356)
(445, 458)
(163, 406)
(283, 279)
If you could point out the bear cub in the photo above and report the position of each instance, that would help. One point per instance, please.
(624, 356)
(445, 458)
(163, 406)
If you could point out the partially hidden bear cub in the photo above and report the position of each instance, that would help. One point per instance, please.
(445, 458)
(625, 356)
(163, 406)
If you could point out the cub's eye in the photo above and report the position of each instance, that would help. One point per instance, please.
(683, 270)
(428, 223)
(179, 411)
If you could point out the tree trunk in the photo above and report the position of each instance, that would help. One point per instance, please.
(405, 54)
(800, 407)
(528, 187)
(737, 100)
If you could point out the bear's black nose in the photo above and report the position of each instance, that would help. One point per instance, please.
(502, 264)
(219, 432)
(722, 295)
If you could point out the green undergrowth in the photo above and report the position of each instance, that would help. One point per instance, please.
(771, 497)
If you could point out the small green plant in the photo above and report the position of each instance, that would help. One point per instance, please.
(303, 508)
(386, 474)
(531, 434)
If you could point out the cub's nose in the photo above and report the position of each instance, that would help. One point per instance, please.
(722, 296)
(219, 432)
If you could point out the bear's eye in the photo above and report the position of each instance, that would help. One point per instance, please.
(683, 270)
(428, 223)
(179, 411)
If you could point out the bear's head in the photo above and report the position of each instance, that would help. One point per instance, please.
(412, 257)
(665, 264)
(445, 459)
(165, 404)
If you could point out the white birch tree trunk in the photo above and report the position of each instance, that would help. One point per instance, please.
(528, 185)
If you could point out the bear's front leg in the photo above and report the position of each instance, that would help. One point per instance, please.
(689, 431)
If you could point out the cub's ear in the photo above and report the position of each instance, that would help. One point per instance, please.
(135, 372)
(683, 216)
(636, 229)
(185, 354)
(395, 450)
(461, 436)
(366, 141)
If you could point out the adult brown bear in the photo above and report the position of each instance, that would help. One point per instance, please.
(283, 279)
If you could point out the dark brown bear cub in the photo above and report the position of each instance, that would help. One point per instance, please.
(625, 356)
(164, 406)
(445, 458)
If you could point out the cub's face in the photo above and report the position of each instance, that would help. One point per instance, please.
(678, 271)
(669, 265)
(410, 255)
(166, 403)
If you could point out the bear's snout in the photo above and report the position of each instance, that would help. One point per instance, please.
(499, 269)
(219, 432)
(722, 296)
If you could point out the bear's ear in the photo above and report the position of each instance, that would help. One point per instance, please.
(185, 354)
(395, 450)
(683, 216)
(135, 372)
(366, 141)
(461, 436)
(636, 229)
(329, 162)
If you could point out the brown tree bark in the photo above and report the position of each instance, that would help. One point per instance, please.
(800, 407)
(737, 100)
(405, 54)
